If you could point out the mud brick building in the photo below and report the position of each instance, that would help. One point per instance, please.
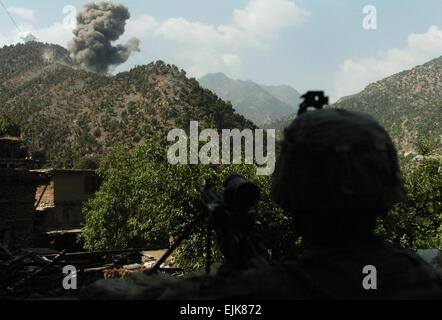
(17, 198)
(41, 206)
(14, 154)
(38, 204)
(59, 202)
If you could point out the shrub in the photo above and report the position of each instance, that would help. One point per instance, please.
(144, 199)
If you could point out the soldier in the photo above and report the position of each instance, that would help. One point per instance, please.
(336, 175)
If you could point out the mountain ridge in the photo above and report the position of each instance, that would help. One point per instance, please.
(258, 103)
(408, 104)
(68, 113)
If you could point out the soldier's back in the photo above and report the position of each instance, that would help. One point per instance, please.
(365, 271)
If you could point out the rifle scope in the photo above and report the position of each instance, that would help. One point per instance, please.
(240, 193)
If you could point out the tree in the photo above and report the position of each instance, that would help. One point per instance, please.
(87, 163)
(425, 146)
(8, 126)
(144, 200)
(416, 223)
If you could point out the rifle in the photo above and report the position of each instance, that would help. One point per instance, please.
(227, 213)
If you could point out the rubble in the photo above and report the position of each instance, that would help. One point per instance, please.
(37, 273)
(132, 266)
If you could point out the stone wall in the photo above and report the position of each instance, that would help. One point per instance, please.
(17, 198)
(67, 186)
(60, 207)
(45, 193)
(60, 217)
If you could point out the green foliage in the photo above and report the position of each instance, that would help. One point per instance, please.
(8, 127)
(425, 146)
(69, 113)
(144, 200)
(258, 103)
(416, 223)
(404, 115)
(407, 104)
(87, 163)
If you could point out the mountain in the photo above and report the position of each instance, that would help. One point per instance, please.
(258, 103)
(341, 99)
(408, 104)
(66, 113)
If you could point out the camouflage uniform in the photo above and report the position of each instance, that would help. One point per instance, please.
(336, 174)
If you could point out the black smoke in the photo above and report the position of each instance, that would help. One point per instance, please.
(98, 24)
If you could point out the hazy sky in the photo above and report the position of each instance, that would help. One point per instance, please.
(308, 44)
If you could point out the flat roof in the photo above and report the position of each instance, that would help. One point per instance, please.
(9, 174)
(66, 171)
(11, 138)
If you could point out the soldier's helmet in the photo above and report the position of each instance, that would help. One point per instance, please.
(339, 163)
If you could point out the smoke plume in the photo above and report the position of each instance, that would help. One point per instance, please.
(98, 24)
(27, 36)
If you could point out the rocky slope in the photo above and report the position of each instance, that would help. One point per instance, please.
(258, 103)
(66, 113)
(408, 104)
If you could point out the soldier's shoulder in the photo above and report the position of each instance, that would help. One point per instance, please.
(399, 273)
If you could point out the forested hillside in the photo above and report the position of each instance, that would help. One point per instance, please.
(66, 113)
(258, 103)
(408, 104)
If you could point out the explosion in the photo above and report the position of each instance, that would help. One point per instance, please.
(98, 24)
